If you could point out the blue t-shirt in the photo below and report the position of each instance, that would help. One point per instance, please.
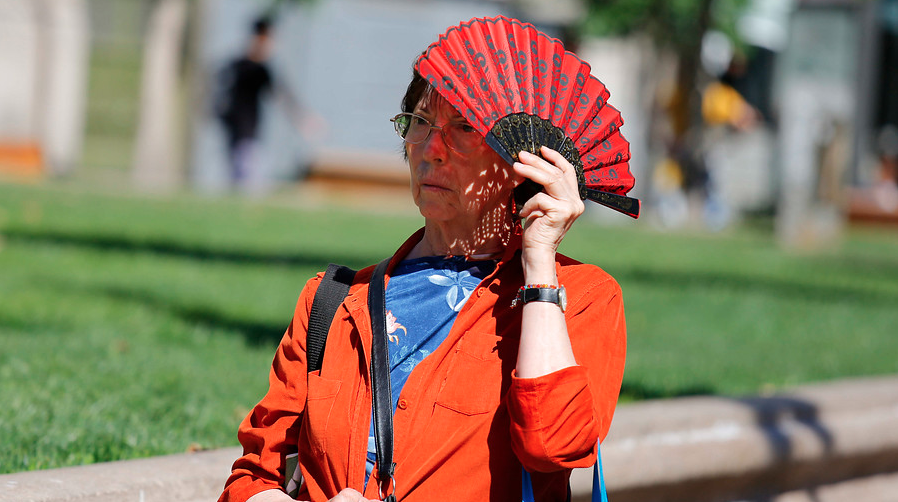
(423, 298)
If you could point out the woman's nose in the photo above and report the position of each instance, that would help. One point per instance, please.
(435, 147)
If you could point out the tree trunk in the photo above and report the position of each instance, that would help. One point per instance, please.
(687, 113)
(65, 55)
(158, 159)
(686, 146)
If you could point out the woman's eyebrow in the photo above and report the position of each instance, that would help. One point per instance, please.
(456, 117)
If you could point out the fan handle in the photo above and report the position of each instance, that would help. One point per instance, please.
(626, 205)
(524, 192)
(620, 203)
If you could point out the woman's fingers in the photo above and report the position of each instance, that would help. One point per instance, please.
(550, 213)
(557, 176)
(559, 180)
(564, 212)
(545, 171)
(555, 158)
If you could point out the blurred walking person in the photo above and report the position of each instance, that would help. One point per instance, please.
(243, 84)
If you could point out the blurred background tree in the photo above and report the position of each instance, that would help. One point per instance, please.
(676, 26)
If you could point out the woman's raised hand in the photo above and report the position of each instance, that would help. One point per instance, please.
(550, 213)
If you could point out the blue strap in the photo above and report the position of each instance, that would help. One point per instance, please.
(598, 482)
(526, 486)
(598, 479)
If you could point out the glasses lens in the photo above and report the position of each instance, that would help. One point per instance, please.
(400, 123)
(418, 129)
(415, 129)
(463, 137)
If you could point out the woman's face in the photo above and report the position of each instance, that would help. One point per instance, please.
(451, 186)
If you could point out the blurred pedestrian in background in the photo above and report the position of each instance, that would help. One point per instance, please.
(242, 85)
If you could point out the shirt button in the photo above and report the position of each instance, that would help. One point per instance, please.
(403, 404)
(479, 292)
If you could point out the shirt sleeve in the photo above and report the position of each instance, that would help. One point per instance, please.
(270, 432)
(557, 419)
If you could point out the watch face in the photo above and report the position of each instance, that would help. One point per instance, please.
(562, 298)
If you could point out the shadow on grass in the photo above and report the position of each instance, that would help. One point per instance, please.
(861, 266)
(255, 333)
(762, 285)
(663, 278)
(641, 392)
(127, 244)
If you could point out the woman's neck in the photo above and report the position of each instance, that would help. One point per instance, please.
(484, 239)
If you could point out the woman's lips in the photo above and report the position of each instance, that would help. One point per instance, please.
(433, 186)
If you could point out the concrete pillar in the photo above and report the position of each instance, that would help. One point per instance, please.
(44, 54)
(158, 152)
(817, 105)
(813, 127)
(64, 62)
(20, 151)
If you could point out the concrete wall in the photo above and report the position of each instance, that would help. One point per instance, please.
(833, 442)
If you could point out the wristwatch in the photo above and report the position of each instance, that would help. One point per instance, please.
(558, 296)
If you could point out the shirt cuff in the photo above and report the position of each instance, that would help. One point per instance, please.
(552, 420)
(532, 402)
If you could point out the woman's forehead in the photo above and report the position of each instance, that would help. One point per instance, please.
(433, 102)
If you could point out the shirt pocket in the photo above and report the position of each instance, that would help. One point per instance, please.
(322, 394)
(478, 376)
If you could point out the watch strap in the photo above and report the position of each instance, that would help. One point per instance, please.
(541, 293)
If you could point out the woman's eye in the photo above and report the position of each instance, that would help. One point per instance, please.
(419, 121)
(466, 128)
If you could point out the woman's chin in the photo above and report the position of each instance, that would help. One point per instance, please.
(436, 211)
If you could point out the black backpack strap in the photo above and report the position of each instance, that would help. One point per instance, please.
(333, 289)
(380, 383)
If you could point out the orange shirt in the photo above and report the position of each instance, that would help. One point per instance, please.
(464, 424)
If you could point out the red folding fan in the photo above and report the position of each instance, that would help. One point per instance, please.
(520, 89)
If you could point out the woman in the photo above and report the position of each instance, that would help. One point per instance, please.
(480, 387)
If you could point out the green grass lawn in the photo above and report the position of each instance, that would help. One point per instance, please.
(138, 326)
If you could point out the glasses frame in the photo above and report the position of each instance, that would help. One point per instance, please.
(446, 139)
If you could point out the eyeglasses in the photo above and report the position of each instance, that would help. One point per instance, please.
(415, 129)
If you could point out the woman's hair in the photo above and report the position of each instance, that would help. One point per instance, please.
(418, 88)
